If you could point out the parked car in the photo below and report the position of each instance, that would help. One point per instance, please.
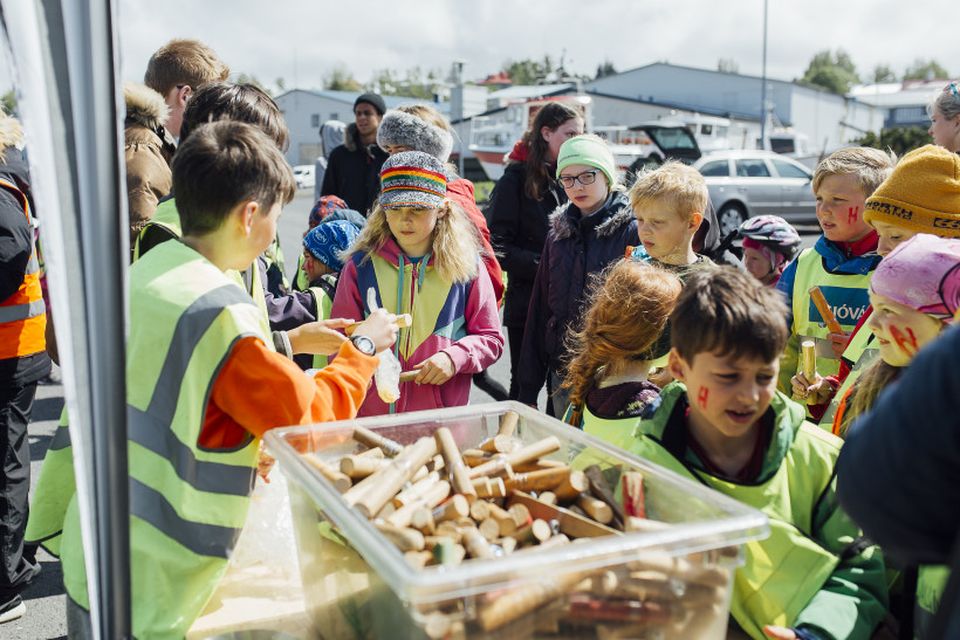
(744, 184)
(305, 176)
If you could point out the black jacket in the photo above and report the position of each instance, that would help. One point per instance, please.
(518, 229)
(353, 172)
(576, 248)
(16, 235)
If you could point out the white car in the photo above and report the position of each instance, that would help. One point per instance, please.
(744, 184)
(304, 175)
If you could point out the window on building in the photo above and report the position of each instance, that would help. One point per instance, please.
(706, 129)
(315, 120)
(752, 169)
(789, 170)
(716, 168)
(334, 115)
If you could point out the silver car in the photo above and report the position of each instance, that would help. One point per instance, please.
(744, 184)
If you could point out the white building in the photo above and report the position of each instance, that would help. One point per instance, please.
(829, 120)
(305, 111)
(904, 104)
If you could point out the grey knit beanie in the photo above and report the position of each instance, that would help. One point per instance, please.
(405, 129)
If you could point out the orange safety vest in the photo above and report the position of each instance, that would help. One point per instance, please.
(23, 317)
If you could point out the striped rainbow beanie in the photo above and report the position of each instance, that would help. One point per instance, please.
(412, 179)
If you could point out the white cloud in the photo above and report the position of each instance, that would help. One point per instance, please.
(302, 41)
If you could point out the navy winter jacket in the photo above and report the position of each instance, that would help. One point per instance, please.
(576, 248)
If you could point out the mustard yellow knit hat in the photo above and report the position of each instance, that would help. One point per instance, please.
(922, 194)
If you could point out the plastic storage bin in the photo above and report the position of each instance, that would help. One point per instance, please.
(635, 585)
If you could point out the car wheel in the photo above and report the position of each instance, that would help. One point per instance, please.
(730, 217)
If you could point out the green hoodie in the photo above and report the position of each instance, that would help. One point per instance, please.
(814, 571)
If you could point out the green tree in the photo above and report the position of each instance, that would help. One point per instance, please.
(925, 70)
(249, 78)
(728, 65)
(899, 140)
(831, 71)
(413, 83)
(9, 102)
(340, 79)
(884, 73)
(605, 69)
(528, 71)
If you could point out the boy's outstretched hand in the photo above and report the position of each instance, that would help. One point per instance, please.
(321, 337)
(436, 369)
(780, 633)
(380, 326)
(838, 342)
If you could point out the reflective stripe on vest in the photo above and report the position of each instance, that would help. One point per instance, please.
(784, 571)
(23, 319)
(931, 582)
(846, 295)
(187, 504)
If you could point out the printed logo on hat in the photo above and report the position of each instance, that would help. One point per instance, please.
(946, 223)
(890, 209)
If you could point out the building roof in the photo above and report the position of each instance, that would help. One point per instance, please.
(526, 91)
(720, 113)
(890, 95)
(349, 97)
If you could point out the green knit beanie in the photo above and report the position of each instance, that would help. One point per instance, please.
(589, 150)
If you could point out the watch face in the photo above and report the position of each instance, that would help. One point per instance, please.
(364, 345)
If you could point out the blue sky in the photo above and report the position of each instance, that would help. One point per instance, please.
(301, 41)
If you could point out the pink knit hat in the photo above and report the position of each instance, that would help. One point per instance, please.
(923, 273)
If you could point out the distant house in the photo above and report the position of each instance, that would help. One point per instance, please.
(903, 103)
(305, 111)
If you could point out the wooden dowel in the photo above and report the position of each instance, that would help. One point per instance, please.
(459, 476)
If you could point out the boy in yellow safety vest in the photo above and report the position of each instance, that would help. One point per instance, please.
(203, 385)
(724, 424)
(839, 263)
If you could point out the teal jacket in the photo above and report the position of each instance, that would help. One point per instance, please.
(815, 572)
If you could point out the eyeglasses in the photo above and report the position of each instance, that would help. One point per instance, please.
(585, 178)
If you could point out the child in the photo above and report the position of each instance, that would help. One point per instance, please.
(922, 195)
(769, 243)
(321, 266)
(203, 386)
(909, 311)
(840, 262)
(945, 118)
(519, 211)
(587, 233)
(323, 207)
(610, 356)
(669, 203)
(420, 253)
(420, 127)
(725, 425)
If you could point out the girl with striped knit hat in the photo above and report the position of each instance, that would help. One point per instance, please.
(421, 255)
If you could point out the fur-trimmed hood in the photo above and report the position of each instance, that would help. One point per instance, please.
(614, 215)
(11, 133)
(144, 106)
(351, 137)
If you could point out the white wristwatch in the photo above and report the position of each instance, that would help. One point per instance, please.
(364, 345)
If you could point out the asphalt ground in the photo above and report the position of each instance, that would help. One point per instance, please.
(45, 599)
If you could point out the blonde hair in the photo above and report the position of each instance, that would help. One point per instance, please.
(455, 245)
(675, 183)
(428, 114)
(865, 390)
(947, 103)
(629, 305)
(870, 166)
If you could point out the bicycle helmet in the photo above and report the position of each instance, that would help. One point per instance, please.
(773, 232)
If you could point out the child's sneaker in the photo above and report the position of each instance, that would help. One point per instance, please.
(12, 609)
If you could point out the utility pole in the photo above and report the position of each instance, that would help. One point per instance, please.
(763, 84)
